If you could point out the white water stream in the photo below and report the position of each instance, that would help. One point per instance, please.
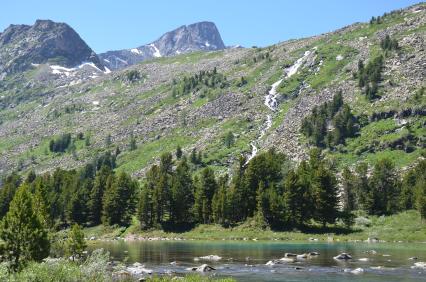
(272, 104)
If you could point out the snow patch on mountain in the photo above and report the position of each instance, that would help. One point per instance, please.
(135, 51)
(157, 52)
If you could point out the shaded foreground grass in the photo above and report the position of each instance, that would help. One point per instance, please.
(406, 226)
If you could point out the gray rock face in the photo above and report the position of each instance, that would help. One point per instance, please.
(195, 37)
(44, 42)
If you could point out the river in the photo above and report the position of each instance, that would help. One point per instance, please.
(245, 261)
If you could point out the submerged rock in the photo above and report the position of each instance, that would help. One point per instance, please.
(343, 256)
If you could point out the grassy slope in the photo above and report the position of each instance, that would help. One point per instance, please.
(406, 226)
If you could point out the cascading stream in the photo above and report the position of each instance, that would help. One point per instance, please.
(272, 104)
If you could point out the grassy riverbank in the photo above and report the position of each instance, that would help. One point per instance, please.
(95, 268)
(406, 226)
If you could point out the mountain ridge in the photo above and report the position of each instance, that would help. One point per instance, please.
(187, 38)
(44, 41)
(163, 102)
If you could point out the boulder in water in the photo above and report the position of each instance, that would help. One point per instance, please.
(343, 256)
(202, 268)
(138, 269)
(420, 264)
(210, 258)
(358, 270)
(290, 255)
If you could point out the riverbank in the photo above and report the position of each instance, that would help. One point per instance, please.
(402, 227)
(96, 268)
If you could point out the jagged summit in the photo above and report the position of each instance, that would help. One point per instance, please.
(187, 38)
(44, 42)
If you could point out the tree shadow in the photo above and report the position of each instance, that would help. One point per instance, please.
(177, 227)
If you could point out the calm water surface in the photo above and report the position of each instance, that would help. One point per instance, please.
(245, 261)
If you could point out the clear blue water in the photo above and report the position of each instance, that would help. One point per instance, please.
(245, 261)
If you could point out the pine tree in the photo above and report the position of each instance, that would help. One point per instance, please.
(406, 196)
(75, 244)
(119, 201)
(229, 139)
(97, 194)
(205, 189)
(420, 188)
(77, 211)
(145, 211)
(260, 207)
(421, 199)
(24, 236)
(41, 202)
(293, 198)
(348, 194)
(325, 195)
(182, 194)
(178, 152)
(363, 193)
(219, 203)
(7, 192)
(384, 185)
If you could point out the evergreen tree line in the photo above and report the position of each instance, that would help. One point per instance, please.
(273, 194)
(330, 123)
(194, 83)
(88, 196)
(178, 193)
(382, 191)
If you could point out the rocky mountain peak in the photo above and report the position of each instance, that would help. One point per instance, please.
(197, 36)
(44, 42)
(187, 38)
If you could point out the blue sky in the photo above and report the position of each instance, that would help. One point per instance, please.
(110, 25)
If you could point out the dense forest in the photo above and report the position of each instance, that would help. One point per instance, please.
(181, 191)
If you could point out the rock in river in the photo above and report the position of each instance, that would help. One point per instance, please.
(202, 268)
(138, 269)
(343, 256)
(209, 258)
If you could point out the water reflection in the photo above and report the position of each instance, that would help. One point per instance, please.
(245, 260)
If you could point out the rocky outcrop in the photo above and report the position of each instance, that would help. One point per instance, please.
(22, 46)
(201, 36)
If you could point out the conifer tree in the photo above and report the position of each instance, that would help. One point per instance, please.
(119, 200)
(182, 194)
(325, 195)
(75, 244)
(24, 236)
(97, 194)
(385, 186)
(145, 211)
